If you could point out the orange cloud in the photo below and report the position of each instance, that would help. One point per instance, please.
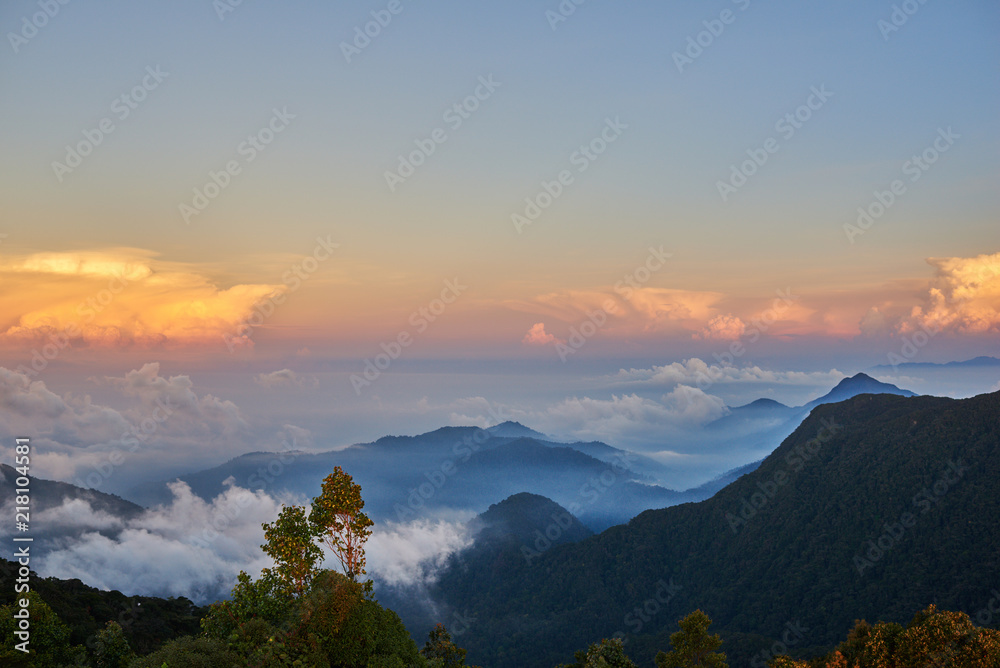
(963, 297)
(118, 297)
(537, 336)
(724, 327)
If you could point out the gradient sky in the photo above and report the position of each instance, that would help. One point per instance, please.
(931, 262)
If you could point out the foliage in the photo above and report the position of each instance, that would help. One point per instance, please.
(934, 638)
(49, 640)
(191, 652)
(692, 646)
(338, 520)
(605, 654)
(265, 600)
(290, 542)
(147, 621)
(440, 651)
(111, 648)
(791, 561)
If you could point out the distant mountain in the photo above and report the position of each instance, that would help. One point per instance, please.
(49, 494)
(872, 509)
(976, 362)
(513, 429)
(523, 517)
(857, 384)
(454, 468)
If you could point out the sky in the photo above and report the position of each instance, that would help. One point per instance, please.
(474, 211)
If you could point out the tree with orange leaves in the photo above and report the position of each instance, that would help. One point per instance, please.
(339, 523)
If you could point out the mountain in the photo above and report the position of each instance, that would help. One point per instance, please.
(871, 509)
(516, 430)
(858, 384)
(454, 468)
(49, 494)
(147, 621)
(976, 362)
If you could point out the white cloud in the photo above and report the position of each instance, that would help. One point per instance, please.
(697, 372)
(414, 553)
(285, 378)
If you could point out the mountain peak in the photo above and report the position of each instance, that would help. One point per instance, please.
(859, 383)
(514, 429)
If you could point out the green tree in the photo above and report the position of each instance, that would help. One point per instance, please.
(111, 649)
(49, 643)
(337, 519)
(605, 654)
(290, 541)
(440, 651)
(693, 647)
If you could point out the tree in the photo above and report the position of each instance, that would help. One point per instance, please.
(693, 647)
(933, 639)
(112, 649)
(339, 522)
(291, 543)
(440, 651)
(49, 637)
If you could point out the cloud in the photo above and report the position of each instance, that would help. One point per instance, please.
(699, 373)
(414, 553)
(724, 327)
(627, 418)
(636, 310)
(151, 424)
(285, 378)
(537, 336)
(118, 298)
(195, 548)
(188, 547)
(962, 298)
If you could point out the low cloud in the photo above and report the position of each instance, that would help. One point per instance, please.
(699, 373)
(188, 547)
(285, 378)
(414, 553)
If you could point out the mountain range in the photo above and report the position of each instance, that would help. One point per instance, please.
(872, 508)
(469, 468)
